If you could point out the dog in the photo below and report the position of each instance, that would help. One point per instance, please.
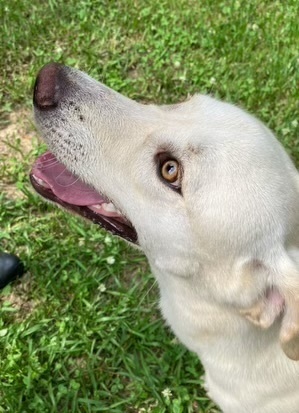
(212, 198)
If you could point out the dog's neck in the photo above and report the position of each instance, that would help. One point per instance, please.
(246, 370)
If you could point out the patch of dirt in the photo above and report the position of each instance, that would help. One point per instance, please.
(20, 127)
(17, 139)
(18, 299)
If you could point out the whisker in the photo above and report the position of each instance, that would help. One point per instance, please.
(48, 165)
(67, 185)
(148, 291)
(50, 159)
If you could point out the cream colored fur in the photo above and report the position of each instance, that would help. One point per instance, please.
(219, 250)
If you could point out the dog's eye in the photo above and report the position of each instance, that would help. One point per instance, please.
(170, 171)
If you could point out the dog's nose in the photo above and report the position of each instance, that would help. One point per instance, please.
(47, 89)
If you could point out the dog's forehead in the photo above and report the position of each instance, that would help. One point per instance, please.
(209, 132)
(205, 118)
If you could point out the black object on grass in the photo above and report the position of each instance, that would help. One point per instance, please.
(11, 268)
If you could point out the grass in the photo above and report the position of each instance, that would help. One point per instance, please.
(82, 331)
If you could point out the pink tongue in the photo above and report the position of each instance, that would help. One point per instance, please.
(64, 185)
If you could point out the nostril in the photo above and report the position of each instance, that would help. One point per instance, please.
(46, 88)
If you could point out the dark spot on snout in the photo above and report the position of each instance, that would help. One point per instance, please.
(195, 150)
(47, 88)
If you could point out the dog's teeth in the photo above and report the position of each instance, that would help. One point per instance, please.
(41, 182)
(109, 207)
(97, 206)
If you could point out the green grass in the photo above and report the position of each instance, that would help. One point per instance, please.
(82, 331)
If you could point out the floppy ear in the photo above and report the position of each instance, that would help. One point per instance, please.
(289, 333)
(281, 299)
(289, 287)
(266, 310)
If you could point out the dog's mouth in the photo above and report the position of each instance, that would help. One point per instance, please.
(53, 181)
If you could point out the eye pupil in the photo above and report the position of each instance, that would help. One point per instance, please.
(171, 168)
(170, 171)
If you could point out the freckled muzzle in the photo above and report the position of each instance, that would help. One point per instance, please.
(52, 180)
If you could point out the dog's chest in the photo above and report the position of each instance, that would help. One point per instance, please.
(246, 371)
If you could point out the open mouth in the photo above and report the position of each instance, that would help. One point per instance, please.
(53, 181)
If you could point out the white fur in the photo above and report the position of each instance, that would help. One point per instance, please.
(217, 248)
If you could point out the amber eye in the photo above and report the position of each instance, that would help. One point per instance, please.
(170, 171)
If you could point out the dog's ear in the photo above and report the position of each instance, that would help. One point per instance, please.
(289, 333)
(288, 284)
(281, 300)
(266, 310)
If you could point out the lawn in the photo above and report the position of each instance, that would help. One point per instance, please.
(82, 332)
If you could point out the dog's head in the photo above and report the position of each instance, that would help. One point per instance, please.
(204, 188)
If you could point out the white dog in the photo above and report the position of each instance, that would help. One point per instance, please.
(212, 199)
